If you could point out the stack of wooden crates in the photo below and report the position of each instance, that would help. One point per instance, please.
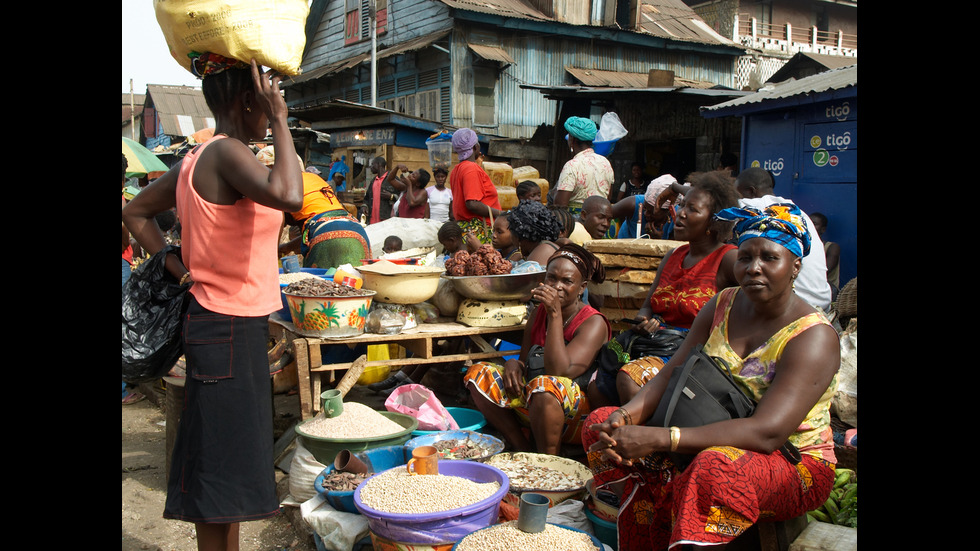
(631, 266)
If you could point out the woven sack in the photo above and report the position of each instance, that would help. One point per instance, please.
(273, 32)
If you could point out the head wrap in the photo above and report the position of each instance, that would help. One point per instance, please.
(463, 141)
(206, 64)
(533, 221)
(581, 128)
(658, 186)
(780, 222)
(586, 262)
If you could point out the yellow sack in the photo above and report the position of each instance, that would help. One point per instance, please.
(273, 32)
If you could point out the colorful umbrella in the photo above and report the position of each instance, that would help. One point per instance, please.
(140, 159)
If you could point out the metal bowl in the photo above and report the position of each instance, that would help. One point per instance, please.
(497, 287)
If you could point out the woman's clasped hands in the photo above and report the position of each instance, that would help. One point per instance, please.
(622, 443)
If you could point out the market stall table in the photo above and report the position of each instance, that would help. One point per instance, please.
(420, 341)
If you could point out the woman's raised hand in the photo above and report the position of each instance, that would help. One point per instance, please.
(267, 93)
(548, 296)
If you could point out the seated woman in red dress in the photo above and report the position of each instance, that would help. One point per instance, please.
(688, 277)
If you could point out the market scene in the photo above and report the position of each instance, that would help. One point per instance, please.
(411, 275)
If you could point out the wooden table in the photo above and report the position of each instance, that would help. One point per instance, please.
(418, 340)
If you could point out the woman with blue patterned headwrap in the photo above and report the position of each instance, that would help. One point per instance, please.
(784, 354)
(781, 222)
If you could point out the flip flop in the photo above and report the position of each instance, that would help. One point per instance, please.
(132, 398)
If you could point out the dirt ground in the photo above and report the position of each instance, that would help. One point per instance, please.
(144, 462)
(144, 444)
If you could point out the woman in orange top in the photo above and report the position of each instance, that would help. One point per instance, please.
(330, 236)
(231, 209)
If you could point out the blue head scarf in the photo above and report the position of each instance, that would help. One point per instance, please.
(581, 128)
(781, 223)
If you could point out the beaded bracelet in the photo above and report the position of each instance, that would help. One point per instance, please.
(184, 277)
(627, 418)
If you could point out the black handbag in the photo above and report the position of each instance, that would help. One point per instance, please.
(629, 345)
(702, 391)
(153, 304)
(535, 367)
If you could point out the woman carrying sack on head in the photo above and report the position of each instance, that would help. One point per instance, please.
(785, 355)
(231, 208)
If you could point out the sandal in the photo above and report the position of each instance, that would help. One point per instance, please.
(132, 398)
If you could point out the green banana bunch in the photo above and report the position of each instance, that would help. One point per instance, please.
(841, 506)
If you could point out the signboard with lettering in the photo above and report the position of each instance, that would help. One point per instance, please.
(367, 136)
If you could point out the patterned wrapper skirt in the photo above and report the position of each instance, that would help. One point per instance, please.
(723, 492)
(332, 239)
(488, 378)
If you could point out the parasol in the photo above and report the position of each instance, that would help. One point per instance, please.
(140, 159)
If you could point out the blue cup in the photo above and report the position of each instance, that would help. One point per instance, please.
(533, 512)
(290, 264)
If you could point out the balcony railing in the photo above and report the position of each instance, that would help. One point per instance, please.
(750, 26)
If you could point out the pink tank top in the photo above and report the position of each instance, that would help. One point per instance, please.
(230, 250)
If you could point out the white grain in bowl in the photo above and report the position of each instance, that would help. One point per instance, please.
(357, 421)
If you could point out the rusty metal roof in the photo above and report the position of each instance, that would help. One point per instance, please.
(670, 19)
(504, 8)
(621, 79)
(676, 20)
(182, 109)
(491, 53)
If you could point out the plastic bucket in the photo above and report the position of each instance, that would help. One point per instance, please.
(441, 527)
(604, 530)
(440, 153)
(604, 148)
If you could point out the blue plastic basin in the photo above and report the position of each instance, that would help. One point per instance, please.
(467, 419)
(376, 459)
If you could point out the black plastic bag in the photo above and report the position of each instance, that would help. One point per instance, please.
(153, 305)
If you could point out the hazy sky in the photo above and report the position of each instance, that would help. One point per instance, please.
(145, 57)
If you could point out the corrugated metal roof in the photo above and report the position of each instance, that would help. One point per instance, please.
(504, 8)
(491, 53)
(833, 79)
(675, 19)
(181, 109)
(671, 19)
(621, 79)
(383, 52)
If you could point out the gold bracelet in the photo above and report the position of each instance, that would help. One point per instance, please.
(675, 438)
(184, 277)
(627, 418)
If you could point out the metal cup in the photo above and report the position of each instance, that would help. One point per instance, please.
(425, 459)
(533, 513)
(332, 403)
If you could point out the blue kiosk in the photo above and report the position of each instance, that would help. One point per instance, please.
(804, 132)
